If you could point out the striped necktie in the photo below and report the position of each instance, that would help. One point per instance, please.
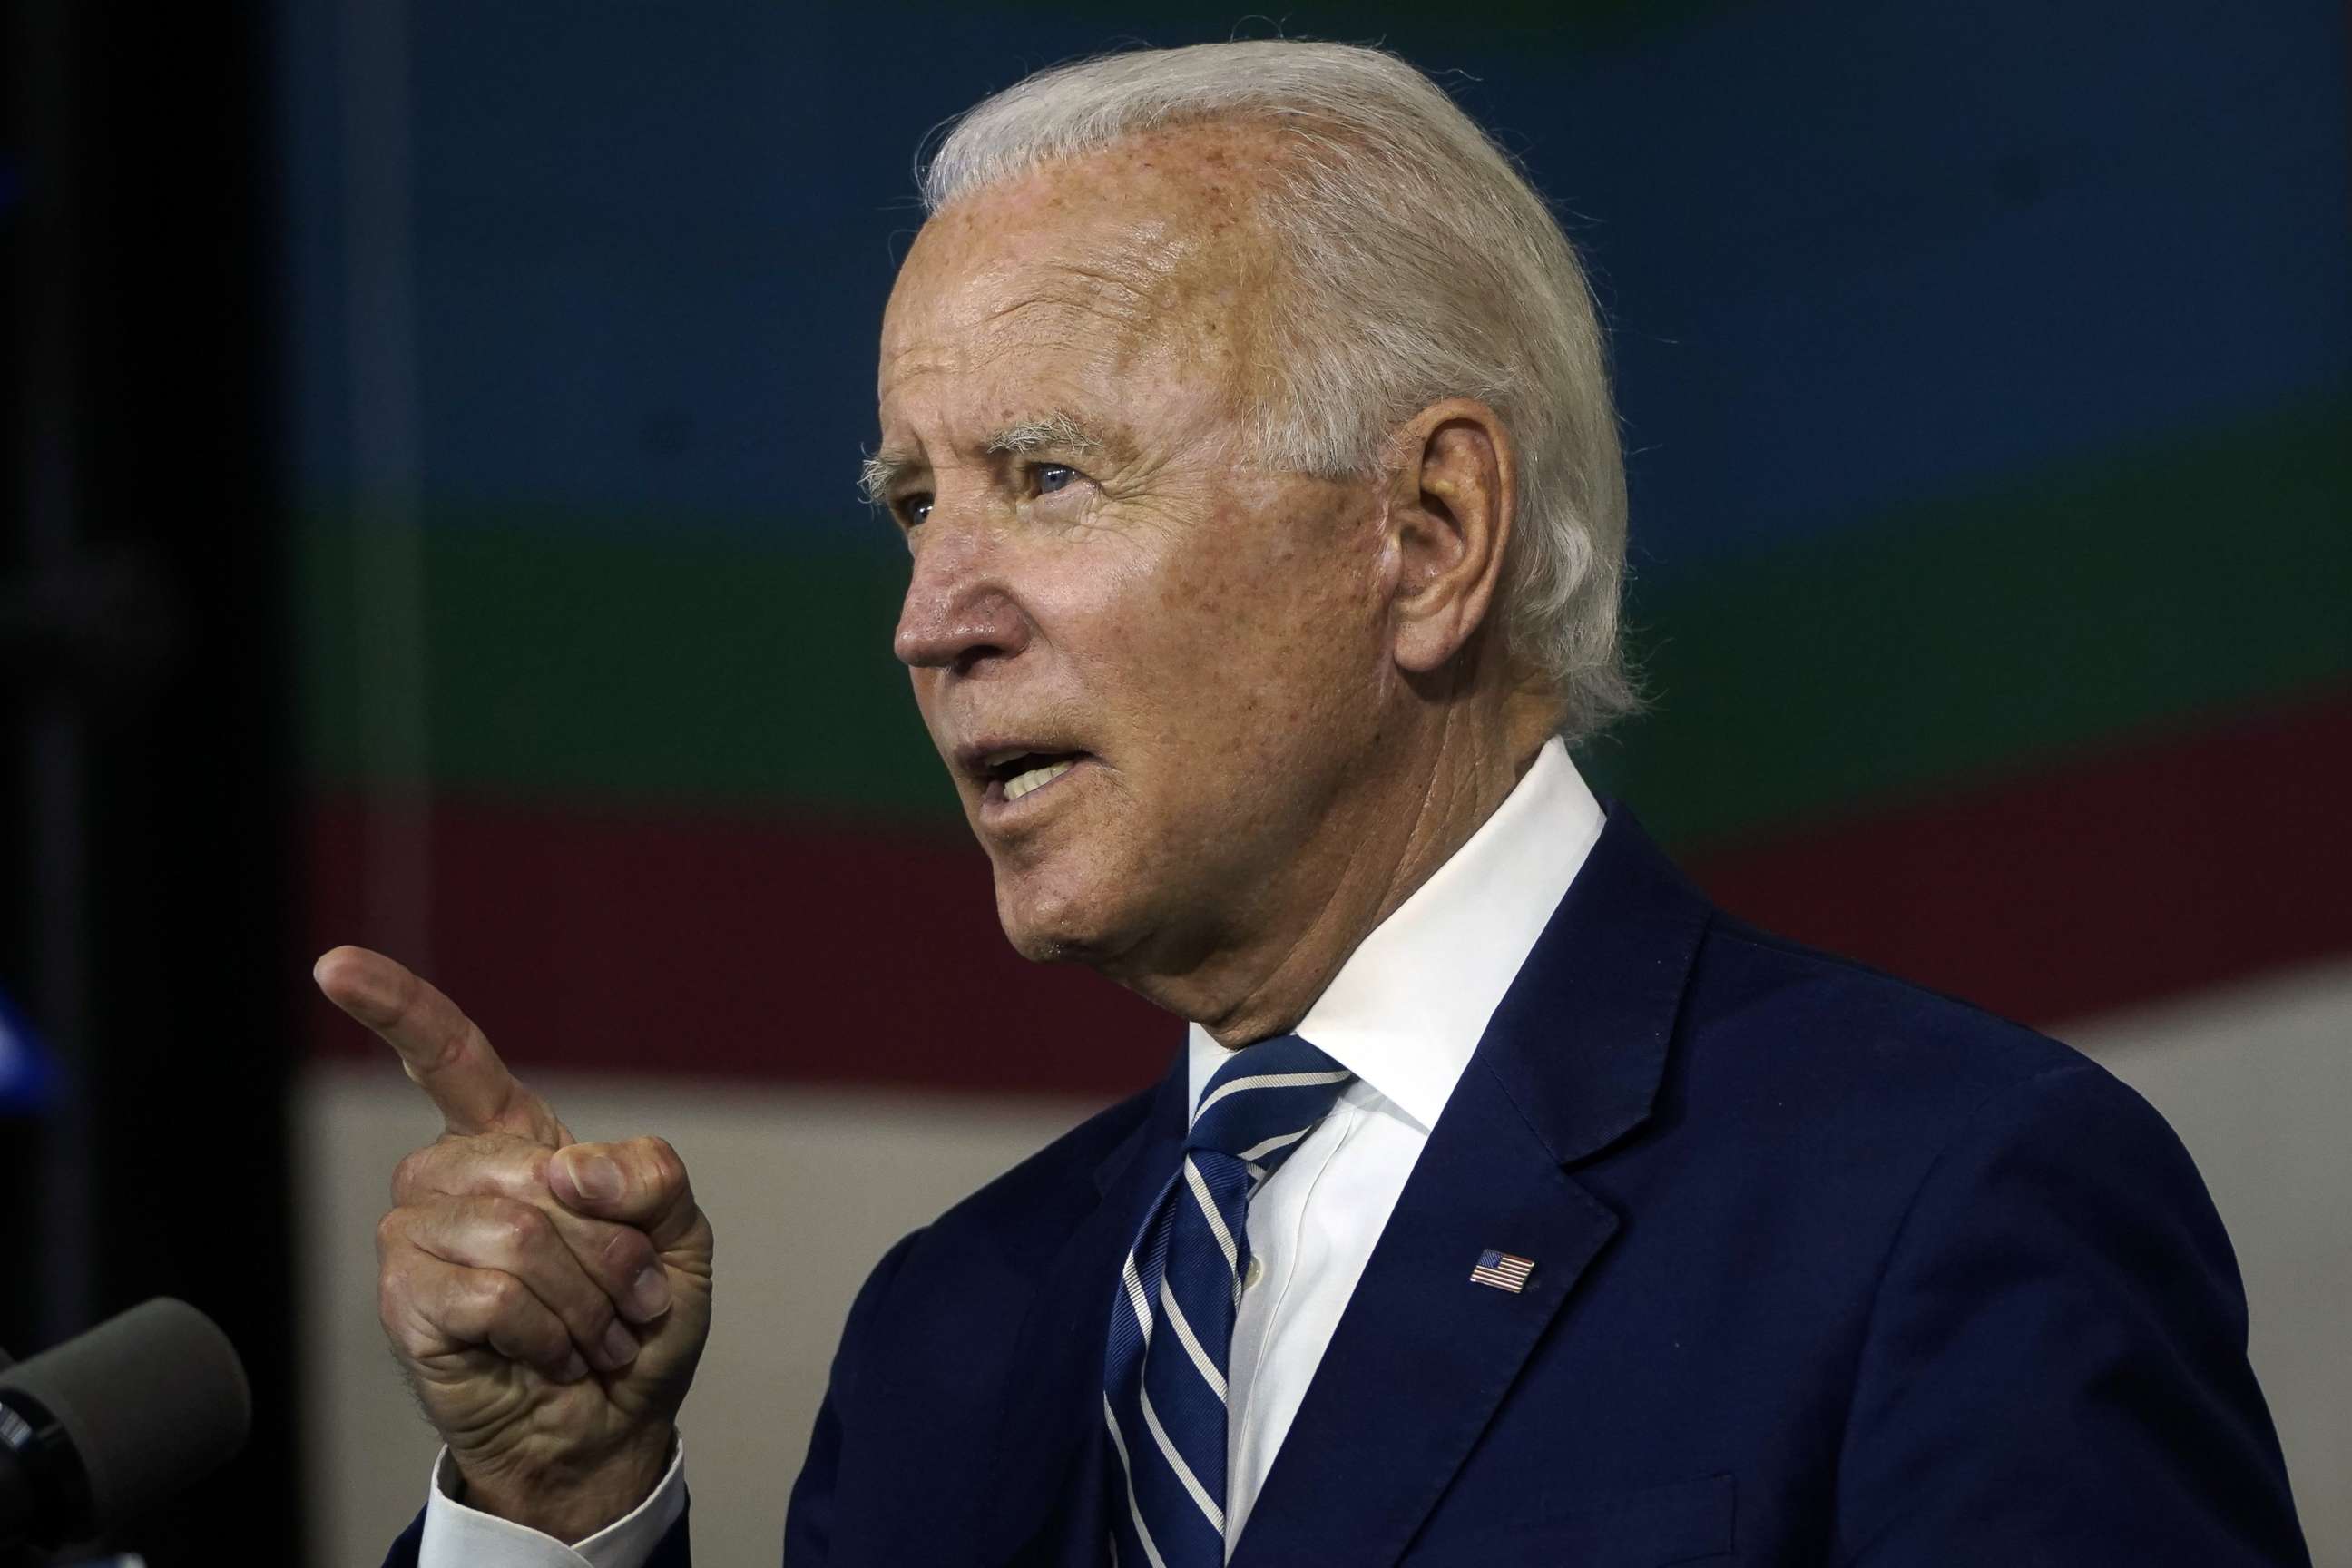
(1171, 1322)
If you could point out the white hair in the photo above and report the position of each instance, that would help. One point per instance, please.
(1422, 265)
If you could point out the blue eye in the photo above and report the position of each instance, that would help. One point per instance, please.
(1052, 477)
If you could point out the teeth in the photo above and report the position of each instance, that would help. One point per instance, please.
(999, 758)
(1020, 784)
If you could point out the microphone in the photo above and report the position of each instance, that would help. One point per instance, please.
(102, 1427)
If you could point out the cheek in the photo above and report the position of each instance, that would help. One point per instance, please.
(1294, 610)
(1241, 630)
(1269, 649)
(1120, 610)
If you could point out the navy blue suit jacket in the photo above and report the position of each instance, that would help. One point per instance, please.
(1828, 1271)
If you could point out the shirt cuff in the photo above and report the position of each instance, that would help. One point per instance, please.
(456, 1536)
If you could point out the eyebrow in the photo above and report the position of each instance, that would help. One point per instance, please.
(1052, 432)
(881, 471)
(878, 474)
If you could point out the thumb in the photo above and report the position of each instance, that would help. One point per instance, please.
(639, 1182)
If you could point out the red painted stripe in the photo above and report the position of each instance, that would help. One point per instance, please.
(770, 950)
(2148, 871)
(811, 951)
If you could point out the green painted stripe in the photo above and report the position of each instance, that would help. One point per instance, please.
(699, 666)
(1951, 643)
(1965, 640)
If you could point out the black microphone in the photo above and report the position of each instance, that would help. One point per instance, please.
(106, 1425)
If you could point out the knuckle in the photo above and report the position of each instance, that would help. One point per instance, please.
(390, 1233)
(405, 1323)
(462, 1311)
(661, 1161)
(408, 1176)
(501, 1295)
(391, 1299)
(518, 1229)
(530, 1170)
(410, 1341)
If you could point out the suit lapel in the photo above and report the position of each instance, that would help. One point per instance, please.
(1043, 1502)
(1422, 1355)
(1423, 1358)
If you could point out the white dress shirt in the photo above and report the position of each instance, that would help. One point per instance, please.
(1404, 1014)
(456, 1536)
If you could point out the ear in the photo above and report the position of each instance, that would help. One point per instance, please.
(1452, 508)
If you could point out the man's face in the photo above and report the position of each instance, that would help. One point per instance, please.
(1150, 667)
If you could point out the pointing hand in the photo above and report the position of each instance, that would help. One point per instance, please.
(548, 1299)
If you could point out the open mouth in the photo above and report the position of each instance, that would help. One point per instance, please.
(1013, 775)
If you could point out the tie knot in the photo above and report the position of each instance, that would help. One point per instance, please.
(1264, 1099)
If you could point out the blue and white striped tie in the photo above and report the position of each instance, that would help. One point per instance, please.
(1171, 1322)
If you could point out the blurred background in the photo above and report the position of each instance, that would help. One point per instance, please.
(428, 521)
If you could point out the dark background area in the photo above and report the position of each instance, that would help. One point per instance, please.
(145, 791)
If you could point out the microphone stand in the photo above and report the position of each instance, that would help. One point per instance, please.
(16, 1487)
(16, 1498)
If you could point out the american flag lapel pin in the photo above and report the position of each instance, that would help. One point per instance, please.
(1502, 1271)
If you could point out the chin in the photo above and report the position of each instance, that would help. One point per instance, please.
(1057, 925)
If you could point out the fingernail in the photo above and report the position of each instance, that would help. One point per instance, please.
(650, 1293)
(596, 1179)
(620, 1347)
(573, 1370)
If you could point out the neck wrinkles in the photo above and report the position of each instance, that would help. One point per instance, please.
(1271, 995)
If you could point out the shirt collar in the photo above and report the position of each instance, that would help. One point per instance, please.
(1407, 1009)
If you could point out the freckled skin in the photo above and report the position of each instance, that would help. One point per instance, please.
(1291, 689)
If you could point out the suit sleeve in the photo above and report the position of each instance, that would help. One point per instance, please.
(2055, 1370)
(810, 1517)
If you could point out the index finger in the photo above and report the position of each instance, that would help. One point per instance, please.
(439, 1047)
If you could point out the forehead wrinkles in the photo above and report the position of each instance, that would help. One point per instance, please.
(1162, 236)
(1114, 308)
(1044, 342)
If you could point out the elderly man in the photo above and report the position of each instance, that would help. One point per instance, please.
(1242, 411)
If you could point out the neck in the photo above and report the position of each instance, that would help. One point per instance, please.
(1414, 821)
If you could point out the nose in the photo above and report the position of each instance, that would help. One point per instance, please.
(959, 610)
